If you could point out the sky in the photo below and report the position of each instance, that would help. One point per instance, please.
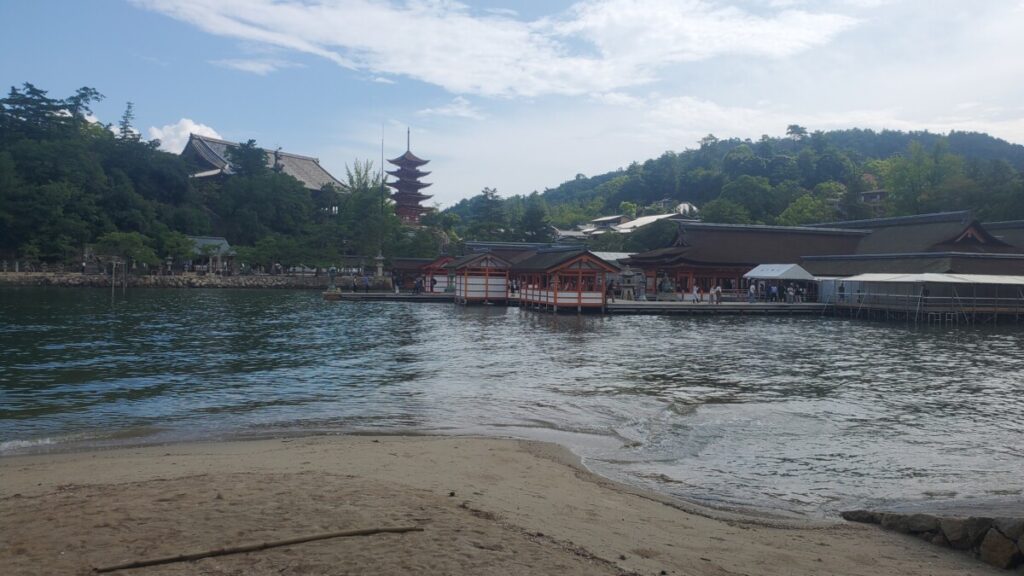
(521, 96)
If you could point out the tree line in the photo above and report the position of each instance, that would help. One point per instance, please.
(66, 182)
(800, 178)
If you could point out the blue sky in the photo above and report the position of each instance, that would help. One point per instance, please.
(523, 95)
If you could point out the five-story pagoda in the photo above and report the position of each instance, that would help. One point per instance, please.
(407, 194)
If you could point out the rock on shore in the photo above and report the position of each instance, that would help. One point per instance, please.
(996, 541)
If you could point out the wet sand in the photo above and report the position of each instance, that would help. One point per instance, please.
(486, 506)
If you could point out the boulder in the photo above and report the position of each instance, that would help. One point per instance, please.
(866, 516)
(998, 550)
(955, 531)
(922, 523)
(1012, 528)
(896, 522)
(977, 528)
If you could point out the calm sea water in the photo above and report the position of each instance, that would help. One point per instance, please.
(802, 415)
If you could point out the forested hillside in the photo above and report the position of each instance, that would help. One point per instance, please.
(66, 182)
(800, 178)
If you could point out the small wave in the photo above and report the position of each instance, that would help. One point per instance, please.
(16, 446)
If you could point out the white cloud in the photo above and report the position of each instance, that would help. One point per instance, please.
(595, 46)
(173, 137)
(459, 107)
(258, 66)
(382, 80)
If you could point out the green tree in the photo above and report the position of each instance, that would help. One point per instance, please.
(127, 245)
(806, 210)
(176, 246)
(248, 159)
(488, 216)
(627, 209)
(725, 212)
(796, 132)
(752, 193)
(536, 224)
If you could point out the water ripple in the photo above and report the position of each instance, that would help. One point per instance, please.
(808, 415)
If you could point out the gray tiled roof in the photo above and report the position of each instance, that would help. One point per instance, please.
(305, 169)
(218, 245)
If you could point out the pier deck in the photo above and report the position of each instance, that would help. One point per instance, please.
(704, 308)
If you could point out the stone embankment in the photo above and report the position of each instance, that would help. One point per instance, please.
(185, 281)
(997, 541)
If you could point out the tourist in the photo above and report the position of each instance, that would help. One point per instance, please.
(752, 293)
(718, 294)
(641, 293)
(789, 294)
(610, 291)
(366, 284)
(695, 294)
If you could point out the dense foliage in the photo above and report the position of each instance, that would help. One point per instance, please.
(797, 179)
(66, 182)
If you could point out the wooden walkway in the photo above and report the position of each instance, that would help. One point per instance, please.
(706, 309)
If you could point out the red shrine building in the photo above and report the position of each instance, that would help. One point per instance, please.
(407, 195)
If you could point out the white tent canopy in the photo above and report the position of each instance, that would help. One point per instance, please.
(939, 279)
(778, 272)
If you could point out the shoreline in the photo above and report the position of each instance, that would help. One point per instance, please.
(181, 281)
(494, 503)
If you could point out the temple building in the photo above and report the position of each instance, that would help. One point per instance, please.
(407, 195)
(209, 158)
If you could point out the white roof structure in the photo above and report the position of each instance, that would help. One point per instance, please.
(640, 223)
(612, 256)
(779, 272)
(939, 279)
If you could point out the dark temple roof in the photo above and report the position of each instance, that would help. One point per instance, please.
(1011, 232)
(743, 245)
(211, 154)
(545, 260)
(939, 232)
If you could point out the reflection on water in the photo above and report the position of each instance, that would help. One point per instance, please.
(808, 415)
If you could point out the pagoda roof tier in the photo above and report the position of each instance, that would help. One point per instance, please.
(408, 173)
(408, 185)
(411, 196)
(408, 159)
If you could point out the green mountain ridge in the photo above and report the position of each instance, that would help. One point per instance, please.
(799, 178)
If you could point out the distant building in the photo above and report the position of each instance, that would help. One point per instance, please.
(875, 200)
(407, 195)
(213, 254)
(706, 254)
(944, 242)
(209, 158)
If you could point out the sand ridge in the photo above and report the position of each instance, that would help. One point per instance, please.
(487, 506)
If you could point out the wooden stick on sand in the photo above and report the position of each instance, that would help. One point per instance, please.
(254, 547)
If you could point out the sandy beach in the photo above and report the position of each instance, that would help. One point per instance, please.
(486, 506)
